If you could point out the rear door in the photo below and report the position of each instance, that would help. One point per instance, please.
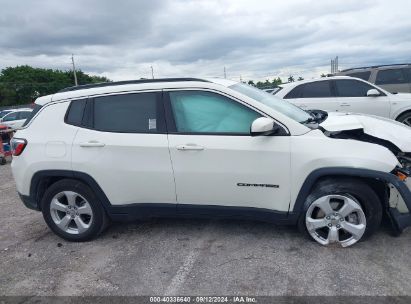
(352, 97)
(122, 143)
(317, 95)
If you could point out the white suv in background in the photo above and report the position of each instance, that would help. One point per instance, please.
(347, 94)
(195, 147)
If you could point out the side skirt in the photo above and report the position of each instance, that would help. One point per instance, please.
(143, 211)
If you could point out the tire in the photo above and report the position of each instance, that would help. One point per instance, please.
(335, 225)
(405, 118)
(72, 211)
(3, 161)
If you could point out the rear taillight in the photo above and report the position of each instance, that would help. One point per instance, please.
(18, 145)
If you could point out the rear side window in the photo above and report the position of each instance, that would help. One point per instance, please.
(75, 112)
(129, 113)
(297, 92)
(352, 88)
(317, 89)
(33, 113)
(393, 76)
(361, 75)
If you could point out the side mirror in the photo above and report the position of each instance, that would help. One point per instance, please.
(265, 126)
(373, 93)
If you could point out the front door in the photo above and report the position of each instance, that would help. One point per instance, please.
(352, 96)
(215, 160)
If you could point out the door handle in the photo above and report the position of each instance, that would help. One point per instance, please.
(190, 147)
(91, 144)
(345, 104)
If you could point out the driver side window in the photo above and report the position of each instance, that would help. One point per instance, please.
(352, 88)
(207, 112)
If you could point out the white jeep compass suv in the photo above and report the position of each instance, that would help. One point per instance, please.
(195, 147)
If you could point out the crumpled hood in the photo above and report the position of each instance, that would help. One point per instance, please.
(383, 128)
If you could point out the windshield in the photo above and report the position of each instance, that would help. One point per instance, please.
(273, 102)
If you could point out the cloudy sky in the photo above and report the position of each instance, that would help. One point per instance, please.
(253, 39)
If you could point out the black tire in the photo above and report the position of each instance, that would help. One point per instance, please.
(355, 188)
(405, 118)
(3, 161)
(100, 219)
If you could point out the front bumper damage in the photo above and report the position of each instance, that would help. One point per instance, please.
(399, 206)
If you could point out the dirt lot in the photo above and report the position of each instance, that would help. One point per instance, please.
(191, 257)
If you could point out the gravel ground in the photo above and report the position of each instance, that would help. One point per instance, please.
(191, 257)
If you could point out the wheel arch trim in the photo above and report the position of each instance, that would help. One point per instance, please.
(40, 176)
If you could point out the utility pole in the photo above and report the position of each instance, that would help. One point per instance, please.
(74, 70)
(225, 73)
(152, 71)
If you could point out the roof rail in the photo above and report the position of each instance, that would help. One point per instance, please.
(375, 66)
(115, 83)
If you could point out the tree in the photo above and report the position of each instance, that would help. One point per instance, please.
(291, 78)
(251, 82)
(277, 81)
(23, 84)
(300, 78)
(323, 75)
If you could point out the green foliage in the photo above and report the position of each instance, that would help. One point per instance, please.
(267, 84)
(291, 78)
(300, 78)
(23, 84)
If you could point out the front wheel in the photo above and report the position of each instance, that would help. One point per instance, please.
(342, 212)
(72, 211)
(405, 118)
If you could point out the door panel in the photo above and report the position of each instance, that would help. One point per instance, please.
(130, 168)
(329, 104)
(352, 97)
(241, 171)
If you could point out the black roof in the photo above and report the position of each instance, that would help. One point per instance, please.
(115, 83)
(376, 66)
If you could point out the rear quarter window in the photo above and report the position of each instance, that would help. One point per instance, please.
(75, 112)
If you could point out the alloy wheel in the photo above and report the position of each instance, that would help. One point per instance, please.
(71, 212)
(336, 219)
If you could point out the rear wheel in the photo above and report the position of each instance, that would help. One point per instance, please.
(341, 211)
(72, 211)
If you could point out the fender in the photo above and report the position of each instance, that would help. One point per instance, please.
(401, 221)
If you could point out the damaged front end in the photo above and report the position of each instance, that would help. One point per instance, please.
(396, 138)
